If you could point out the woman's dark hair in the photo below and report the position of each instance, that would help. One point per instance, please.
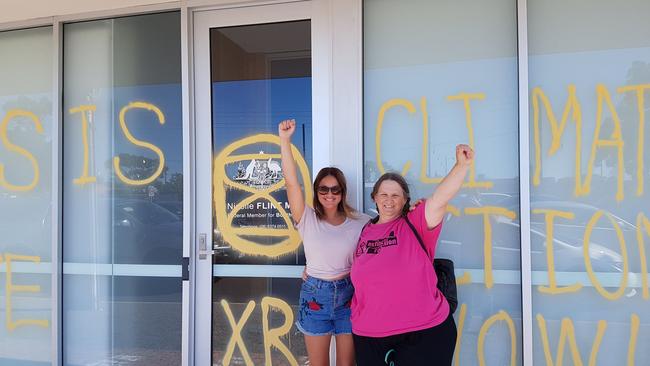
(402, 183)
(343, 206)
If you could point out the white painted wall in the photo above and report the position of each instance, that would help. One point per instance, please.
(14, 11)
(346, 136)
(24, 10)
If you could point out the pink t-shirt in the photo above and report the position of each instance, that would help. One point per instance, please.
(394, 281)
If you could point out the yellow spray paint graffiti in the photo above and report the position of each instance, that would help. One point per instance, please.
(615, 141)
(587, 257)
(572, 108)
(634, 332)
(272, 336)
(235, 236)
(607, 134)
(11, 114)
(557, 130)
(84, 110)
(486, 211)
(378, 132)
(640, 91)
(134, 141)
(11, 288)
(224, 220)
(237, 326)
(466, 97)
(567, 334)
(410, 107)
(549, 216)
(500, 316)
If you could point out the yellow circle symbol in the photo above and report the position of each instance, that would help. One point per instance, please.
(224, 220)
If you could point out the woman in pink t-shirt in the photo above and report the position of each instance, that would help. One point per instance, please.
(329, 231)
(399, 316)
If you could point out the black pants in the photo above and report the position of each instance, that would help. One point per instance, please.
(428, 347)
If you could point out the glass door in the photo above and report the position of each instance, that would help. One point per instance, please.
(253, 69)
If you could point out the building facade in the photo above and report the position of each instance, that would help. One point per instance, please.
(142, 214)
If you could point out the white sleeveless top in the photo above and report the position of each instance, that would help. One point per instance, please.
(329, 249)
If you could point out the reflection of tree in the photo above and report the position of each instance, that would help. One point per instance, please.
(140, 167)
(173, 185)
(605, 165)
(628, 109)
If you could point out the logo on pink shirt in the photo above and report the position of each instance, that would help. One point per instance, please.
(374, 246)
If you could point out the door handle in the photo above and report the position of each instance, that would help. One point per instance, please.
(203, 246)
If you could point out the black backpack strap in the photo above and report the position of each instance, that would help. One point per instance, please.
(371, 221)
(444, 269)
(364, 228)
(417, 235)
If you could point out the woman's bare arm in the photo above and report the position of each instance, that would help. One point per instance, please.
(295, 195)
(450, 185)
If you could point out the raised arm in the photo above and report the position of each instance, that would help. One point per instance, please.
(450, 185)
(295, 195)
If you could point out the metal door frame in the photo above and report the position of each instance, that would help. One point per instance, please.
(203, 20)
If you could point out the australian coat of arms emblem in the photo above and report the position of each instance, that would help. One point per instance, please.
(259, 173)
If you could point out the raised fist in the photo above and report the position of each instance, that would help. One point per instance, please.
(286, 128)
(464, 155)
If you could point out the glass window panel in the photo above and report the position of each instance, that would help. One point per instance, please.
(122, 190)
(261, 75)
(589, 72)
(436, 74)
(271, 303)
(25, 196)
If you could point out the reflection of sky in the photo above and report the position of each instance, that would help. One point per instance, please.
(144, 124)
(494, 119)
(244, 108)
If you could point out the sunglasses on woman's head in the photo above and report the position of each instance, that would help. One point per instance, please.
(335, 190)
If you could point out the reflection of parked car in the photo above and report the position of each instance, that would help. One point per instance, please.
(175, 207)
(461, 234)
(146, 233)
(568, 238)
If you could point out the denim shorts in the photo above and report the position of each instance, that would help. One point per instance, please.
(325, 307)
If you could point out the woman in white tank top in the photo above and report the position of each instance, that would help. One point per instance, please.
(329, 231)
